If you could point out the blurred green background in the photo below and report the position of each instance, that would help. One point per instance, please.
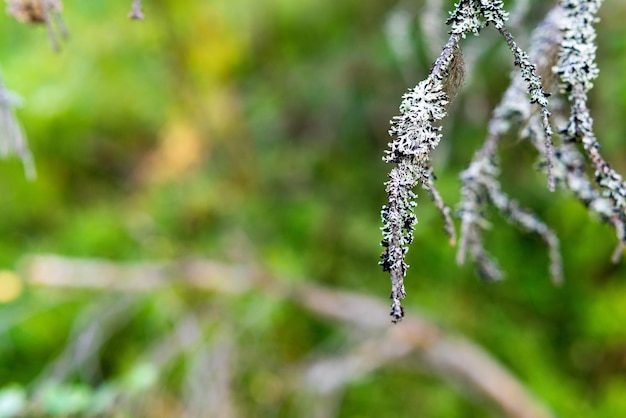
(251, 133)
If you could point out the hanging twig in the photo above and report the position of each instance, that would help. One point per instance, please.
(41, 12)
(416, 134)
(136, 13)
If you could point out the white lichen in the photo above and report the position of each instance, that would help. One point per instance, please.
(416, 133)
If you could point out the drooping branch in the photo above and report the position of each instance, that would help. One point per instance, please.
(577, 70)
(537, 95)
(564, 44)
(415, 137)
(480, 184)
(416, 134)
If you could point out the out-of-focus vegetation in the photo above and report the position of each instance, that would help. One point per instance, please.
(251, 132)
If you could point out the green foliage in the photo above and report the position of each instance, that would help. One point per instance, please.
(251, 132)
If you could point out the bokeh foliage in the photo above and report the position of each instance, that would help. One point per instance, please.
(252, 132)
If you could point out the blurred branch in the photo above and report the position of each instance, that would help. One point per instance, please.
(452, 358)
(136, 13)
(92, 329)
(12, 137)
(209, 374)
(434, 33)
(209, 380)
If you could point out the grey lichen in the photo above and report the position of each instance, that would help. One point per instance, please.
(563, 48)
(480, 184)
(577, 69)
(416, 133)
(416, 136)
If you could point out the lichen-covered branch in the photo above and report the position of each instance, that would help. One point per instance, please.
(562, 44)
(415, 137)
(537, 95)
(480, 184)
(480, 187)
(416, 133)
(445, 211)
(577, 70)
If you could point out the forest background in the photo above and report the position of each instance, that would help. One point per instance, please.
(250, 133)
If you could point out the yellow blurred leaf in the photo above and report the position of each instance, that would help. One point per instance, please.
(179, 152)
(10, 286)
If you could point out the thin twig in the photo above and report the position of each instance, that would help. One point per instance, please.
(136, 13)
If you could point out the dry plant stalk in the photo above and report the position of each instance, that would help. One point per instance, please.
(47, 12)
(33, 11)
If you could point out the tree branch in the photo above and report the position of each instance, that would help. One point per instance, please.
(452, 358)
